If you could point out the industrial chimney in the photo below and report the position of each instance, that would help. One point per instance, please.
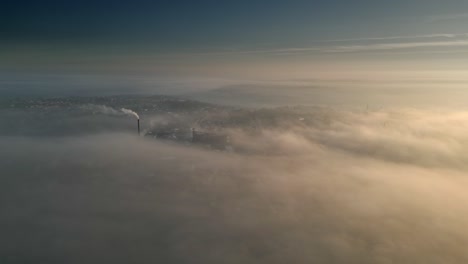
(138, 123)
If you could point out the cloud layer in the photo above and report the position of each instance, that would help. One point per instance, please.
(370, 44)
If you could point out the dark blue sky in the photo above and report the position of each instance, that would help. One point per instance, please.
(91, 33)
(213, 22)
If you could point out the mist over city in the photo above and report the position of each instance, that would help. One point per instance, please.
(236, 132)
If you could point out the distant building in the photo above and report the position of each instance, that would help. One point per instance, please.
(210, 139)
(168, 134)
(213, 140)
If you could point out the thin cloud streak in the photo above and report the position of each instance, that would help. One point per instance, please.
(392, 46)
(286, 51)
(447, 35)
(348, 48)
(282, 50)
(447, 17)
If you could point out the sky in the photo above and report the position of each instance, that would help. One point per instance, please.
(261, 40)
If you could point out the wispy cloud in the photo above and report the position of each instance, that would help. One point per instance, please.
(260, 51)
(448, 35)
(362, 45)
(393, 46)
(446, 17)
(286, 51)
(350, 48)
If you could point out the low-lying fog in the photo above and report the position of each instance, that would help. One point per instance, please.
(312, 185)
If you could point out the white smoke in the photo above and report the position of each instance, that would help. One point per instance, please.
(107, 110)
(130, 112)
(100, 109)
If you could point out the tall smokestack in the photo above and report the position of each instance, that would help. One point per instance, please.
(138, 122)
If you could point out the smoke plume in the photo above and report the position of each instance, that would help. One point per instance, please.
(130, 112)
(107, 110)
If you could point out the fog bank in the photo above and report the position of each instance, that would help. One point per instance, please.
(370, 187)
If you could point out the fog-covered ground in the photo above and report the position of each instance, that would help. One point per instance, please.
(302, 185)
